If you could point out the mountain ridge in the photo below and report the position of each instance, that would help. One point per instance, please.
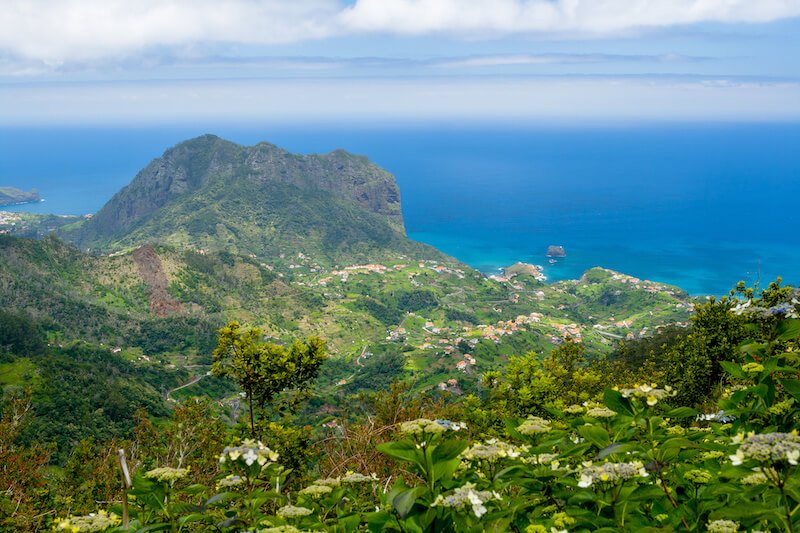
(208, 192)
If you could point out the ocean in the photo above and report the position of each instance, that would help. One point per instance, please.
(698, 206)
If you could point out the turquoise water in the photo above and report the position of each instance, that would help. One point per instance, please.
(700, 206)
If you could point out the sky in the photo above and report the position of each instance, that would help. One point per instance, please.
(174, 61)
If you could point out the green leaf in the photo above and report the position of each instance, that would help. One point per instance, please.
(194, 517)
(381, 521)
(219, 498)
(678, 442)
(445, 469)
(681, 412)
(788, 329)
(646, 493)
(404, 501)
(404, 450)
(792, 386)
(448, 450)
(733, 369)
(349, 522)
(754, 349)
(595, 434)
(615, 401)
(617, 448)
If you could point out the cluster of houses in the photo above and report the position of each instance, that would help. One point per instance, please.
(441, 269)
(450, 385)
(520, 323)
(466, 363)
(8, 219)
(642, 284)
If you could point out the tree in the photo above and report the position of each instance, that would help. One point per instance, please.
(530, 384)
(22, 471)
(693, 364)
(263, 369)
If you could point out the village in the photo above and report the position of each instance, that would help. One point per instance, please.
(433, 338)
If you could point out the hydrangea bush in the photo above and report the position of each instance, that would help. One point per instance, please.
(627, 461)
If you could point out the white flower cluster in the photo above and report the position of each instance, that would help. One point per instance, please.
(768, 448)
(250, 451)
(316, 491)
(786, 309)
(722, 526)
(329, 482)
(492, 450)
(355, 477)
(99, 521)
(757, 477)
(466, 495)
(166, 474)
(550, 459)
(719, 416)
(422, 426)
(229, 481)
(650, 393)
(534, 425)
(741, 307)
(610, 472)
(600, 412)
(290, 511)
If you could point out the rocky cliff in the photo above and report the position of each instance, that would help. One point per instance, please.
(12, 196)
(211, 193)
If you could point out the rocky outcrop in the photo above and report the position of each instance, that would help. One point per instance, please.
(12, 196)
(209, 193)
(556, 251)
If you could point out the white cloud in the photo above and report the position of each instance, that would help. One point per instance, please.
(66, 30)
(57, 31)
(554, 16)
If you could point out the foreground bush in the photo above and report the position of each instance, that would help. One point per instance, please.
(630, 459)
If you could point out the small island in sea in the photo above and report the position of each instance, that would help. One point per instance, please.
(12, 196)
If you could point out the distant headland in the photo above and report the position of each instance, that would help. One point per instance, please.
(12, 196)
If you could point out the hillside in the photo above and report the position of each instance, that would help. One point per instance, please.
(162, 306)
(213, 195)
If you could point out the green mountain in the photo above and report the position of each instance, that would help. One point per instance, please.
(210, 194)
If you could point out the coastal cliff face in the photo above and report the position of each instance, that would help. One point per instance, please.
(211, 193)
(12, 196)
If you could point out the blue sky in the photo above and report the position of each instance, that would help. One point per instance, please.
(116, 61)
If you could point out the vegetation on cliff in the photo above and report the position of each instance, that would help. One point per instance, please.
(12, 196)
(213, 195)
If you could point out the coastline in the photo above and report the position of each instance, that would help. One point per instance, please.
(25, 202)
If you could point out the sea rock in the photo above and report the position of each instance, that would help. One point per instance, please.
(556, 251)
(523, 268)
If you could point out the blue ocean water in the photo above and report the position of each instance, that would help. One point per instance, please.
(699, 206)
